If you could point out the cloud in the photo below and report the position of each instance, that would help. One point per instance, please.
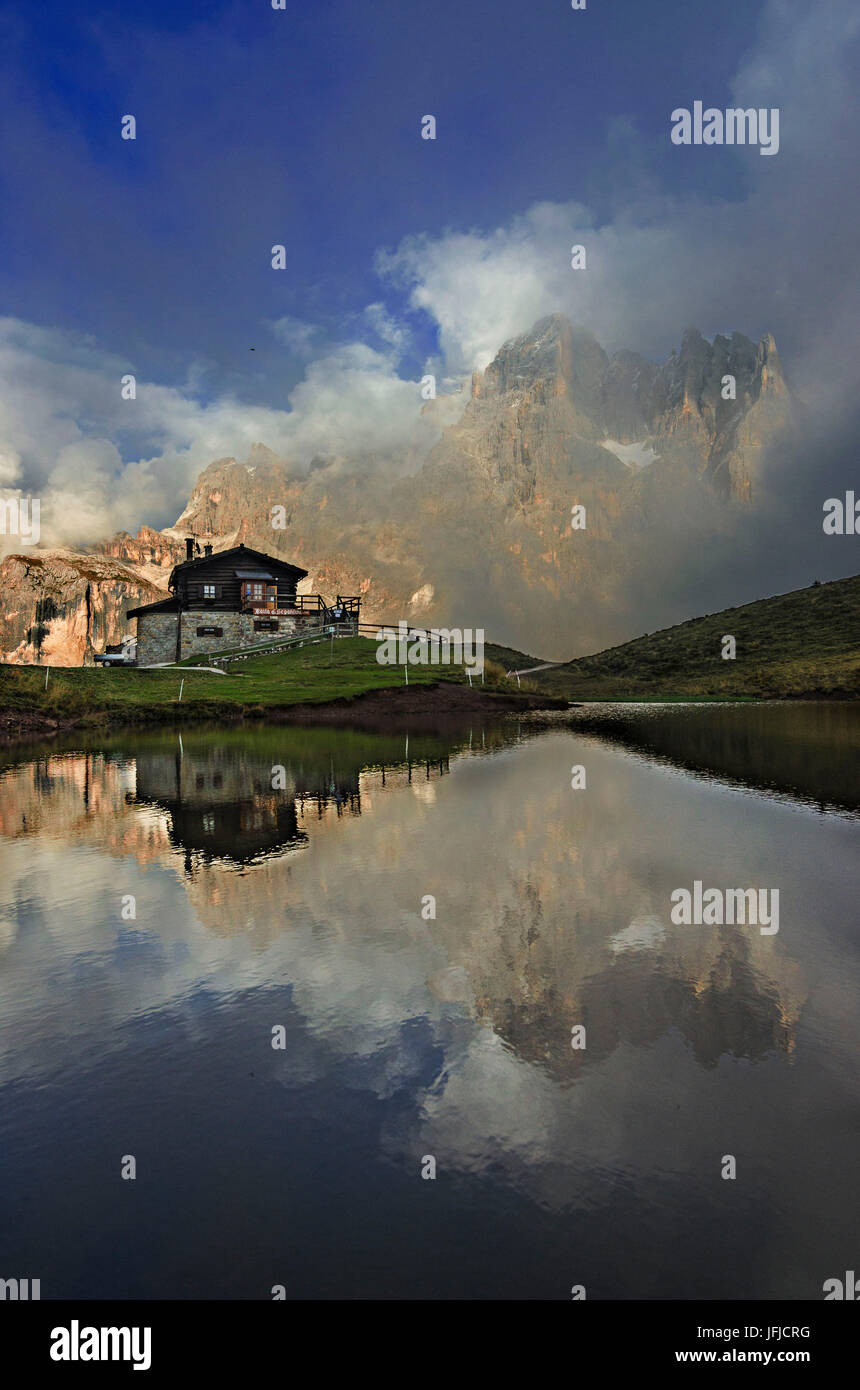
(386, 327)
(352, 401)
(10, 467)
(295, 334)
(778, 258)
(100, 463)
(481, 289)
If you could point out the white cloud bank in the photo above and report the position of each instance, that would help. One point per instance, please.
(65, 429)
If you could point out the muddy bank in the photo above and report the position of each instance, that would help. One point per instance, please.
(422, 706)
(380, 707)
(20, 724)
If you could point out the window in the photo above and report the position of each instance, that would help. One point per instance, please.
(260, 595)
(210, 592)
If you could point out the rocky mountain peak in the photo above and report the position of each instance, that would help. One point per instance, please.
(625, 397)
(553, 350)
(694, 376)
(768, 367)
(481, 523)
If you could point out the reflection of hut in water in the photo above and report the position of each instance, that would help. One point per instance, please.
(240, 830)
(228, 804)
(256, 793)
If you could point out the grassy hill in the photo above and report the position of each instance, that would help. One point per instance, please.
(805, 643)
(509, 658)
(261, 685)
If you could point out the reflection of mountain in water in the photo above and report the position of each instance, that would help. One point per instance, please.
(732, 1011)
(560, 957)
(408, 1036)
(552, 909)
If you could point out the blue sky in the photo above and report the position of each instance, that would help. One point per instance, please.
(302, 127)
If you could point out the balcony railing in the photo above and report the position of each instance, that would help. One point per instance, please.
(310, 609)
(259, 605)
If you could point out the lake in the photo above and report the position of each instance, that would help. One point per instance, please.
(423, 923)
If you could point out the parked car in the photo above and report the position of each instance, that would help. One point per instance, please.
(123, 655)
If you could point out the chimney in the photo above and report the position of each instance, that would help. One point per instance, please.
(207, 549)
(189, 548)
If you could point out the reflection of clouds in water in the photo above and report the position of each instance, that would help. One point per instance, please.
(452, 986)
(465, 1019)
(78, 972)
(491, 1106)
(643, 934)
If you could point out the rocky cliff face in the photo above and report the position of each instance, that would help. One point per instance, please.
(59, 608)
(478, 533)
(151, 554)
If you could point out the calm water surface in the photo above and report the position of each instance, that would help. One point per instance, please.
(300, 908)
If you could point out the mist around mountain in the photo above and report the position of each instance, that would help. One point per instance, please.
(571, 500)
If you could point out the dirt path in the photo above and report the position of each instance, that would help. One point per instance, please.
(545, 666)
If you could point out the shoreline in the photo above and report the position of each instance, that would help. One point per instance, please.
(372, 708)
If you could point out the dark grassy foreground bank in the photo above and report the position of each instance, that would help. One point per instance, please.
(316, 683)
(804, 644)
